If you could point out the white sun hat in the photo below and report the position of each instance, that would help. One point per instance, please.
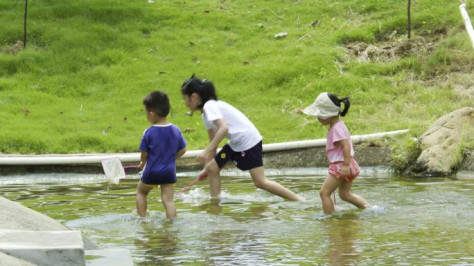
(323, 107)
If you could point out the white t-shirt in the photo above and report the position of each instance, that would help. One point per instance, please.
(242, 134)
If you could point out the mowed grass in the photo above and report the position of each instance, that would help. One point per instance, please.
(79, 84)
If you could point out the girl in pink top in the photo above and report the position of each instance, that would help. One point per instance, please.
(342, 168)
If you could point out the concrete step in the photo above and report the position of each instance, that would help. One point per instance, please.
(108, 257)
(14, 216)
(44, 247)
(12, 261)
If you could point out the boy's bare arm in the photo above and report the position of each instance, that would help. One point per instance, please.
(143, 158)
(180, 152)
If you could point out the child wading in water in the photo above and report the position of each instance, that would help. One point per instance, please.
(244, 148)
(343, 169)
(161, 145)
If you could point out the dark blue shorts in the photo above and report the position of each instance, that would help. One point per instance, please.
(158, 178)
(244, 160)
(164, 181)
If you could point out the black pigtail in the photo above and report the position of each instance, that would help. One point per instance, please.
(204, 88)
(347, 104)
(207, 91)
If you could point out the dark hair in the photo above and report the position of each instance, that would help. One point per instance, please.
(338, 101)
(204, 88)
(157, 102)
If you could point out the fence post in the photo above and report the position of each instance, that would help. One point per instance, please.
(24, 25)
(467, 22)
(409, 19)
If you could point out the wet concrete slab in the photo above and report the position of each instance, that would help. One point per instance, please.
(44, 247)
(12, 261)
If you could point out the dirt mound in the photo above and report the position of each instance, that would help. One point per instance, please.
(457, 76)
(461, 83)
(388, 51)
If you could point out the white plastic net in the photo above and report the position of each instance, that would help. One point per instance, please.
(113, 170)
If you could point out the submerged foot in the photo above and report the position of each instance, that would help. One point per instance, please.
(301, 199)
(324, 216)
(373, 209)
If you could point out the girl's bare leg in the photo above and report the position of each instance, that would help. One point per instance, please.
(260, 181)
(213, 172)
(330, 184)
(346, 195)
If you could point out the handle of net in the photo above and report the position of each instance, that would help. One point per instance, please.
(131, 167)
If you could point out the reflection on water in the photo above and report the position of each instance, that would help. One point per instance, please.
(157, 242)
(342, 235)
(421, 222)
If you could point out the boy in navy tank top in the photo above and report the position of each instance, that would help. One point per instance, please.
(161, 145)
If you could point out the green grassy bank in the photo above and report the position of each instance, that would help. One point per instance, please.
(78, 85)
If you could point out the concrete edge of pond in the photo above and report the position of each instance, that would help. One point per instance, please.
(26, 239)
(367, 156)
(14, 261)
(95, 158)
(306, 153)
(310, 153)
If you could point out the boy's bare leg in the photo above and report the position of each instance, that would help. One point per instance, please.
(346, 195)
(167, 194)
(330, 184)
(213, 172)
(141, 199)
(260, 181)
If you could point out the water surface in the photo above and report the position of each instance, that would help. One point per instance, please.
(419, 222)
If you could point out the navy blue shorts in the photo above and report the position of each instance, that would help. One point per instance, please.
(158, 178)
(244, 160)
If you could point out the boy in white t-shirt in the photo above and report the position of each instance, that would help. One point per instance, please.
(244, 148)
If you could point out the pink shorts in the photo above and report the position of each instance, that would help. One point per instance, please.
(336, 167)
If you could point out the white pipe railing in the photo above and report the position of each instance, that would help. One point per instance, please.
(467, 22)
(322, 142)
(63, 159)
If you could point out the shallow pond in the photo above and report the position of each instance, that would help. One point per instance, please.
(419, 222)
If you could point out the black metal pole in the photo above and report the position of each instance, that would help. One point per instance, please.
(409, 20)
(24, 25)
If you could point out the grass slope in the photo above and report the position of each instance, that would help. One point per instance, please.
(78, 85)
